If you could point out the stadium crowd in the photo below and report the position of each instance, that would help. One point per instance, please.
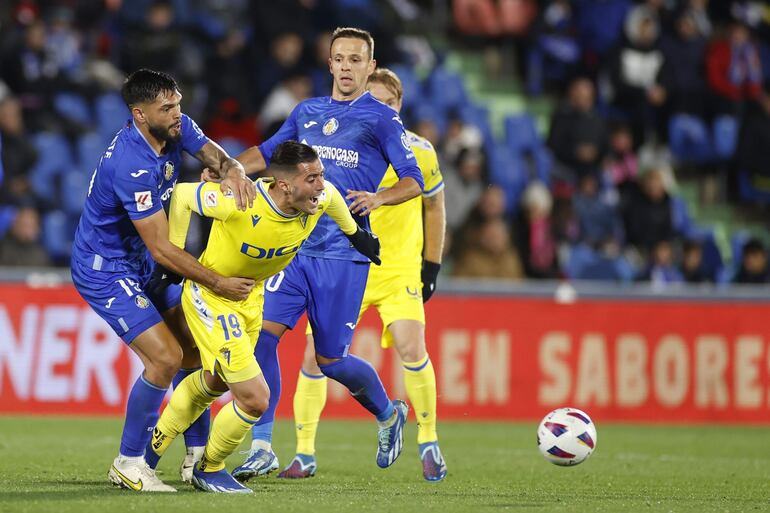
(645, 91)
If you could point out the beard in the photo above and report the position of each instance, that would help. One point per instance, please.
(164, 134)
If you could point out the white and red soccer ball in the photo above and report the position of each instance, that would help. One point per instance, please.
(566, 436)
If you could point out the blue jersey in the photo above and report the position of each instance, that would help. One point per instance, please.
(356, 140)
(130, 182)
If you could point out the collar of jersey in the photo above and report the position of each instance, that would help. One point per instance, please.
(348, 102)
(261, 188)
(137, 136)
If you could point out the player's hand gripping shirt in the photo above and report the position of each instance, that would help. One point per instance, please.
(258, 242)
(356, 141)
(130, 182)
(400, 227)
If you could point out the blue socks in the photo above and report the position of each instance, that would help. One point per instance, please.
(141, 416)
(198, 433)
(364, 384)
(266, 353)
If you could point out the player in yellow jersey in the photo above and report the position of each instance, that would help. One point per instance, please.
(257, 243)
(397, 289)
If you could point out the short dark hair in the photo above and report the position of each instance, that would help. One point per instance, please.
(354, 33)
(144, 85)
(289, 154)
(753, 246)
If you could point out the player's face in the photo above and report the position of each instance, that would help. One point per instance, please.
(164, 116)
(385, 95)
(351, 66)
(307, 186)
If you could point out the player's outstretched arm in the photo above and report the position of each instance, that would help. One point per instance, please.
(434, 220)
(363, 202)
(232, 172)
(363, 240)
(154, 232)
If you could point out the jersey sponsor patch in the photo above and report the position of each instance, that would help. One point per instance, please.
(210, 199)
(143, 200)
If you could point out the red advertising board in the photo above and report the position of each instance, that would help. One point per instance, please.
(495, 357)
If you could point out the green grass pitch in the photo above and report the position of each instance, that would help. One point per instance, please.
(59, 464)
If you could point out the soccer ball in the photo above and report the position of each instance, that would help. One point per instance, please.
(566, 436)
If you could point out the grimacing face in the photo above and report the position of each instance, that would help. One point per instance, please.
(350, 66)
(164, 116)
(306, 187)
(385, 95)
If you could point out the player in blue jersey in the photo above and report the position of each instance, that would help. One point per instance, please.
(356, 137)
(123, 233)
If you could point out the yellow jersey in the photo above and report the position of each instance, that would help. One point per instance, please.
(255, 243)
(400, 227)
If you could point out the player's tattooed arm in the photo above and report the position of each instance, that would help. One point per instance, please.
(230, 171)
(154, 231)
(363, 202)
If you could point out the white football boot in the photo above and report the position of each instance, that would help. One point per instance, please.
(193, 456)
(134, 474)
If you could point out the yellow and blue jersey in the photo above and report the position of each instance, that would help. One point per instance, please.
(356, 141)
(400, 227)
(258, 242)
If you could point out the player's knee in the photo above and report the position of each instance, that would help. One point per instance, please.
(165, 365)
(255, 404)
(412, 352)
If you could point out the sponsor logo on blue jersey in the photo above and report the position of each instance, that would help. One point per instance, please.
(342, 157)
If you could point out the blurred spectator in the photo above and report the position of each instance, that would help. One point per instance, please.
(319, 69)
(21, 246)
(634, 70)
(286, 52)
(18, 154)
(693, 269)
(752, 156)
(490, 205)
(282, 99)
(662, 270)
(231, 120)
(534, 233)
(554, 52)
(493, 256)
(428, 129)
(465, 182)
(225, 67)
(157, 43)
(598, 221)
(578, 136)
(647, 212)
(493, 19)
(600, 26)
(64, 42)
(32, 72)
(621, 165)
(698, 12)
(753, 264)
(459, 136)
(734, 71)
(682, 73)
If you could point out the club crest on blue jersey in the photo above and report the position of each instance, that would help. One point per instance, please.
(142, 302)
(405, 142)
(168, 170)
(330, 126)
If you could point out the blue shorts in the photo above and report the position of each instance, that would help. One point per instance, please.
(118, 298)
(330, 290)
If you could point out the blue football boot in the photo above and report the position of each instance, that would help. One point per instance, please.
(390, 440)
(218, 482)
(433, 465)
(259, 463)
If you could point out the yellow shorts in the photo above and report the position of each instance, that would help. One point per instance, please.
(225, 331)
(396, 297)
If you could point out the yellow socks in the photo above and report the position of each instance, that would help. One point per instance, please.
(309, 402)
(420, 384)
(189, 400)
(227, 432)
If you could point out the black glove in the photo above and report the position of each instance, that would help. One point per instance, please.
(161, 278)
(367, 244)
(429, 276)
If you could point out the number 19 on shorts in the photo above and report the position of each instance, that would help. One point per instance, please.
(230, 326)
